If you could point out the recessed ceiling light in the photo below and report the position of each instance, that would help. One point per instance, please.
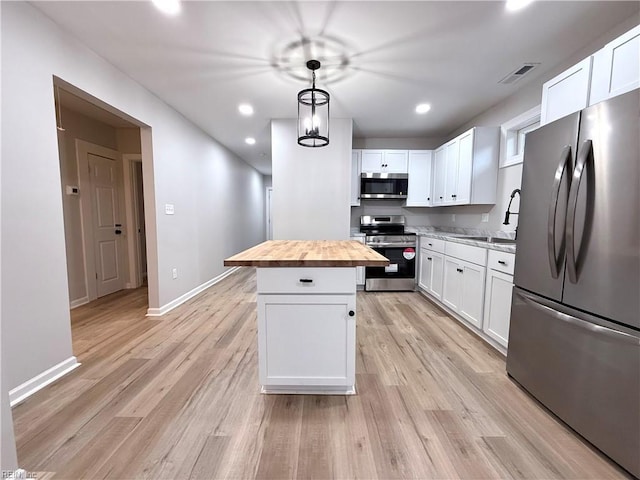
(515, 5)
(250, 141)
(423, 108)
(245, 109)
(170, 7)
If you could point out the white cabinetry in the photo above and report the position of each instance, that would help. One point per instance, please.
(356, 170)
(611, 71)
(497, 311)
(616, 68)
(566, 93)
(419, 190)
(431, 270)
(306, 330)
(439, 175)
(466, 168)
(385, 161)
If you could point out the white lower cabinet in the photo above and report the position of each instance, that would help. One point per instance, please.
(431, 272)
(497, 310)
(306, 330)
(463, 289)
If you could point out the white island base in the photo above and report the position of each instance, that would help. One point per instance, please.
(307, 330)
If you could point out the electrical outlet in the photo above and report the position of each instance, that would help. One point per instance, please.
(485, 217)
(168, 209)
(453, 217)
(174, 273)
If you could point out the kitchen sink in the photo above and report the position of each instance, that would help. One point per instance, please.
(507, 241)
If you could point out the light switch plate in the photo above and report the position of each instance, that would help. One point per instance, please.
(485, 217)
(168, 209)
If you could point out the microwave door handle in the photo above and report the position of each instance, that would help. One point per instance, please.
(555, 259)
(578, 172)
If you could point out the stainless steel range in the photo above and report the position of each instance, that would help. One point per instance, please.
(387, 236)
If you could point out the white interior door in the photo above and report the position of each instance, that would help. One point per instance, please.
(107, 224)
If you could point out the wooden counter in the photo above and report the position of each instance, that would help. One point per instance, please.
(308, 253)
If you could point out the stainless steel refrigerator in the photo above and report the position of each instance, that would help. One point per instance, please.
(574, 339)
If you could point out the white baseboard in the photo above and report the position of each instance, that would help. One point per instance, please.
(157, 312)
(40, 381)
(77, 302)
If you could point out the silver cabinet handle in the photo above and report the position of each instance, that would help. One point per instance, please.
(583, 156)
(577, 321)
(555, 259)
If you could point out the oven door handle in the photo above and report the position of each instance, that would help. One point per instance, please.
(390, 244)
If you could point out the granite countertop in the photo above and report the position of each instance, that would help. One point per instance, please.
(458, 235)
(308, 253)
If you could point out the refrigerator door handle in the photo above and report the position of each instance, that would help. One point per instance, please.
(609, 332)
(583, 156)
(555, 259)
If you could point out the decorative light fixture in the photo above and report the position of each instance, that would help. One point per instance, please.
(313, 113)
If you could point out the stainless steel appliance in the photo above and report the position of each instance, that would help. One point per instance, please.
(386, 235)
(384, 185)
(574, 340)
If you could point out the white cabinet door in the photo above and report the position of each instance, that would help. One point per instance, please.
(451, 172)
(465, 168)
(396, 161)
(372, 161)
(424, 271)
(356, 170)
(419, 193)
(497, 310)
(452, 283)
(472, 292)
(437, 274)
(616, 68)
(567, 93)
(439, 172)
(292, 332)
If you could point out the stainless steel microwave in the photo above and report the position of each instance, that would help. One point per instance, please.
(383, 185)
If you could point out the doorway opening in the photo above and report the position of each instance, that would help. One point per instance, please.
(102, 186)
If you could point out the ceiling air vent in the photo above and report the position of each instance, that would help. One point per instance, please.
(516, 75)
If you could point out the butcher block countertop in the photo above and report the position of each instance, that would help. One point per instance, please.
(308, 253)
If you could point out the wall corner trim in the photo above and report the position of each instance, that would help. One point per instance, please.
(157, 312)
(31, 386)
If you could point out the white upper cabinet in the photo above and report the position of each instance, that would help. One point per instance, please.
(616, 68)
(356, 169)
(566, 93)
(466, 168)
(419, 190)
(611, 71)
(439, 176)
(385, 161)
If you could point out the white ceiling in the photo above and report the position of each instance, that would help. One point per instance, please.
(379, 58)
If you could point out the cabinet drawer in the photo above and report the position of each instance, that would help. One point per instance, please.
(469, 253)
(306, 280)
(501, 261)
(434, 244)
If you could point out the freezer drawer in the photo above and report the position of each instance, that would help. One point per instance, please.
(587, 374)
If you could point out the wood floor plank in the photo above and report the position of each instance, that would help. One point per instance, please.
(178, 397)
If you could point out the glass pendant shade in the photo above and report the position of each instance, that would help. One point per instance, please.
(313, 113)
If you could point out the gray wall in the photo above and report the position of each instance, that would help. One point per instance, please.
(311, 186)
(218, 198)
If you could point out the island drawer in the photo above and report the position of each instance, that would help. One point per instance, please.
(502, 261)
(305, 280)
(434, 244)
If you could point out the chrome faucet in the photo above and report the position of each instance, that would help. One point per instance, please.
(509, 212)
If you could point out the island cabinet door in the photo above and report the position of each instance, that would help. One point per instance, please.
(307, 340)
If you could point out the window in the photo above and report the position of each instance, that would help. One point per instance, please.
(513, 136)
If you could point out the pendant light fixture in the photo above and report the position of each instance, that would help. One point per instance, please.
(313, 113)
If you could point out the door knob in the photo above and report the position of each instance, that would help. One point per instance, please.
(118, 232)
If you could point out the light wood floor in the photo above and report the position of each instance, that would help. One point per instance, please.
(177, 397)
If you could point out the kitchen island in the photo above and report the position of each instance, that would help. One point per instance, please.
(306, 300)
